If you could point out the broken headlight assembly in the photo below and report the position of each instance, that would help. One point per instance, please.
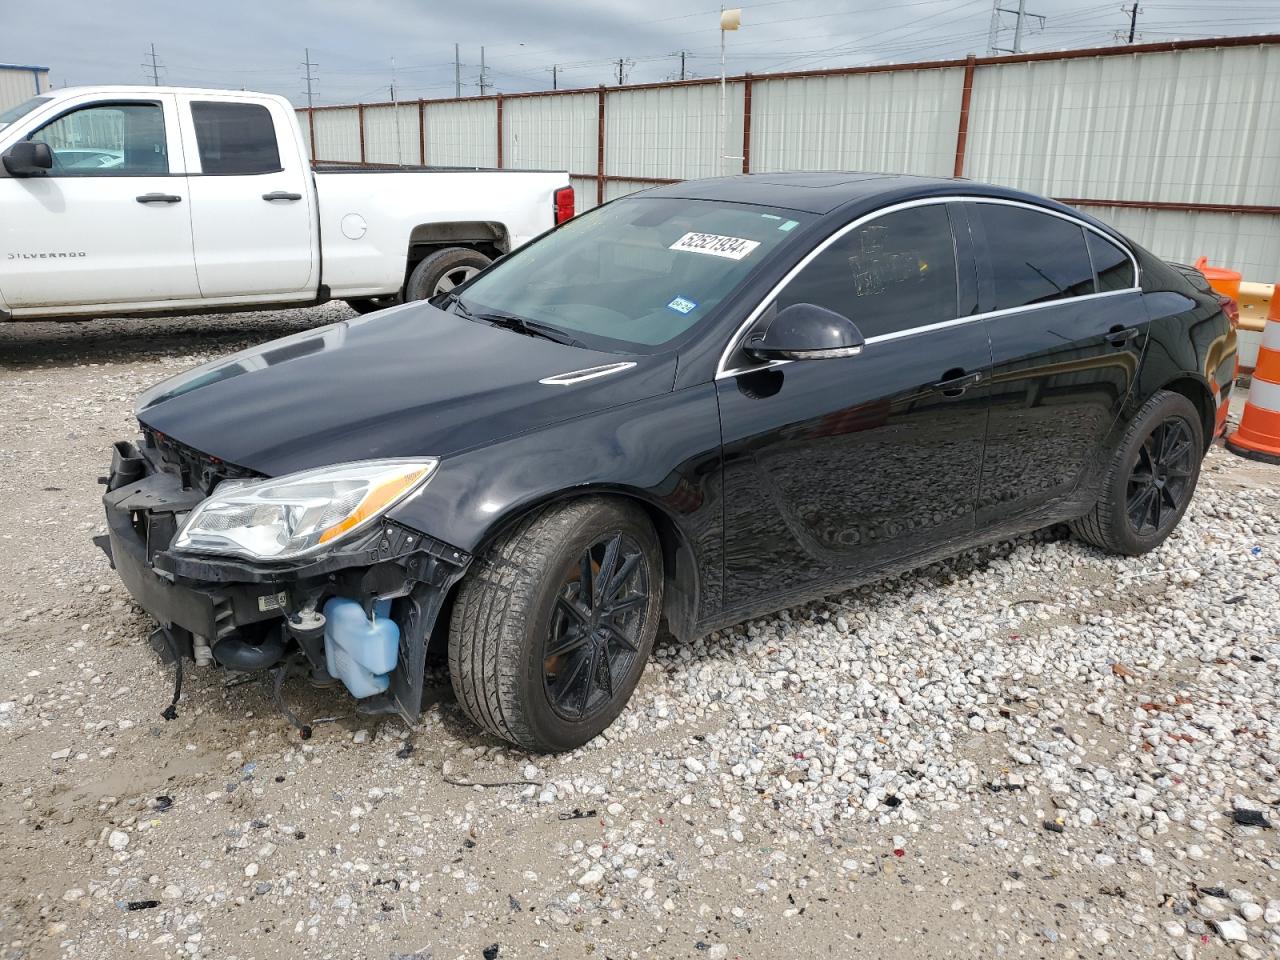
(300, 514)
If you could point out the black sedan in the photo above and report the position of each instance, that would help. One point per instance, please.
(694, 405)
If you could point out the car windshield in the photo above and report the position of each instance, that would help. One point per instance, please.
(21, 110)
(634, 274)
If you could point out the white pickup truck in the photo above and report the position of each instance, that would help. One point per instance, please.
(149, 200)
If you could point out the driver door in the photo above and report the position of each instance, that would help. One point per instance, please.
(837, 468)
(110, 223)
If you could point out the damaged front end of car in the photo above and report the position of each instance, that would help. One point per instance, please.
(302, 573)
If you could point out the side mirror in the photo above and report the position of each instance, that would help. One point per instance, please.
(28, 158)
(805, 331)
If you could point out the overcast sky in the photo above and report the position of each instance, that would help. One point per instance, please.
(259, 44)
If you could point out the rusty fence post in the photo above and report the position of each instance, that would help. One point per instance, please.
(962, 131)
(600, 146)
(499, 131)
(746, 123)
(360, 114)
(422, 132)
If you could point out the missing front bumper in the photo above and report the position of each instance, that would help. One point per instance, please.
(223, 600)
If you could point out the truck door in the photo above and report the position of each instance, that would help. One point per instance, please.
(252, 211)
(109, 223)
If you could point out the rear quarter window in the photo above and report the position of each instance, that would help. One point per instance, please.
(1111, 265)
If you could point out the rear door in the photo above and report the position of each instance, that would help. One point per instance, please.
(1067, 326)
(252, 213)
(835, 468)
(110, 223)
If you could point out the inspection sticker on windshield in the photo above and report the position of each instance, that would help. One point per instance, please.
(682, 305)
(731, 248)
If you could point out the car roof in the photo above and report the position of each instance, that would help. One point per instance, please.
(853, 192)
(817, 192)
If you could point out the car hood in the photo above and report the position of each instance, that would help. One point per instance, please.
(410, 381)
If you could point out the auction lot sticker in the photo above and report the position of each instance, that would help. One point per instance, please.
(731, 248)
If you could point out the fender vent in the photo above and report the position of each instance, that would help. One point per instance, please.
(588, 373)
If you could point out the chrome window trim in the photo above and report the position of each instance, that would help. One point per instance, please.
(722, 371)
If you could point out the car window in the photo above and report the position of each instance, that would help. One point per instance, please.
(235, 138)
(636, 273)
(891, 274)
(21, 110)
(1035, 257)
(1111, 265)
(107, 140)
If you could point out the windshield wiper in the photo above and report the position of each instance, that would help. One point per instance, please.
(511, 321)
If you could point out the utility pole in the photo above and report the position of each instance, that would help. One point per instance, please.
(457, 73)
(1133, 22)
(681, 54)
(395, 112)
(153, 66)
(620, 62)
(308, 65)
(555, 68)
(484, 77)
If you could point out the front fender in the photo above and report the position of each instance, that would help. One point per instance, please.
(663, 451)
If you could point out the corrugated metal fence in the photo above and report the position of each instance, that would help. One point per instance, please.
(1176, 144)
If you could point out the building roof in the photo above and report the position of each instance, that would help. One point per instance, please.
(22, 66)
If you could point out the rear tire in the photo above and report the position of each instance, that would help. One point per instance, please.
(443, 270)
(1150, 479)
(536, 656)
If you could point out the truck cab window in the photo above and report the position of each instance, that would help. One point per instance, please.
(107, 140)
(235, 138)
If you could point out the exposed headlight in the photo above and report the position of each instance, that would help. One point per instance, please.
(303, 513)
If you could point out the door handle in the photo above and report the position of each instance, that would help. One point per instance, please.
(158, 198)
(955, 382)
(281, 195)
(1119, 336)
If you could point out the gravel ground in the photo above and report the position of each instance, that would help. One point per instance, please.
(1031, 750)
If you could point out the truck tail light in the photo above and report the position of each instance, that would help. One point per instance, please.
(564, 204)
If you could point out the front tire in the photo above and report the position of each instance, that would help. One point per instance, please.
(1150, 479)
(552, 627)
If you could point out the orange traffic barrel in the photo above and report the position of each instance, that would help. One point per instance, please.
(1221, 279)
(1259, 433)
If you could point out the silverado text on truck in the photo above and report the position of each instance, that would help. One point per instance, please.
(134, 200)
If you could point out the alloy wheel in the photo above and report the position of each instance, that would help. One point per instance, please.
(1161, 476)
(593, 636)
(454, 277)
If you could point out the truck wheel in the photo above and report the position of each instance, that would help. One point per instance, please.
(443, 270)
(370, 304)
(552, 627)
(1150, 479)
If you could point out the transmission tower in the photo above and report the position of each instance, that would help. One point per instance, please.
(993, 35)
